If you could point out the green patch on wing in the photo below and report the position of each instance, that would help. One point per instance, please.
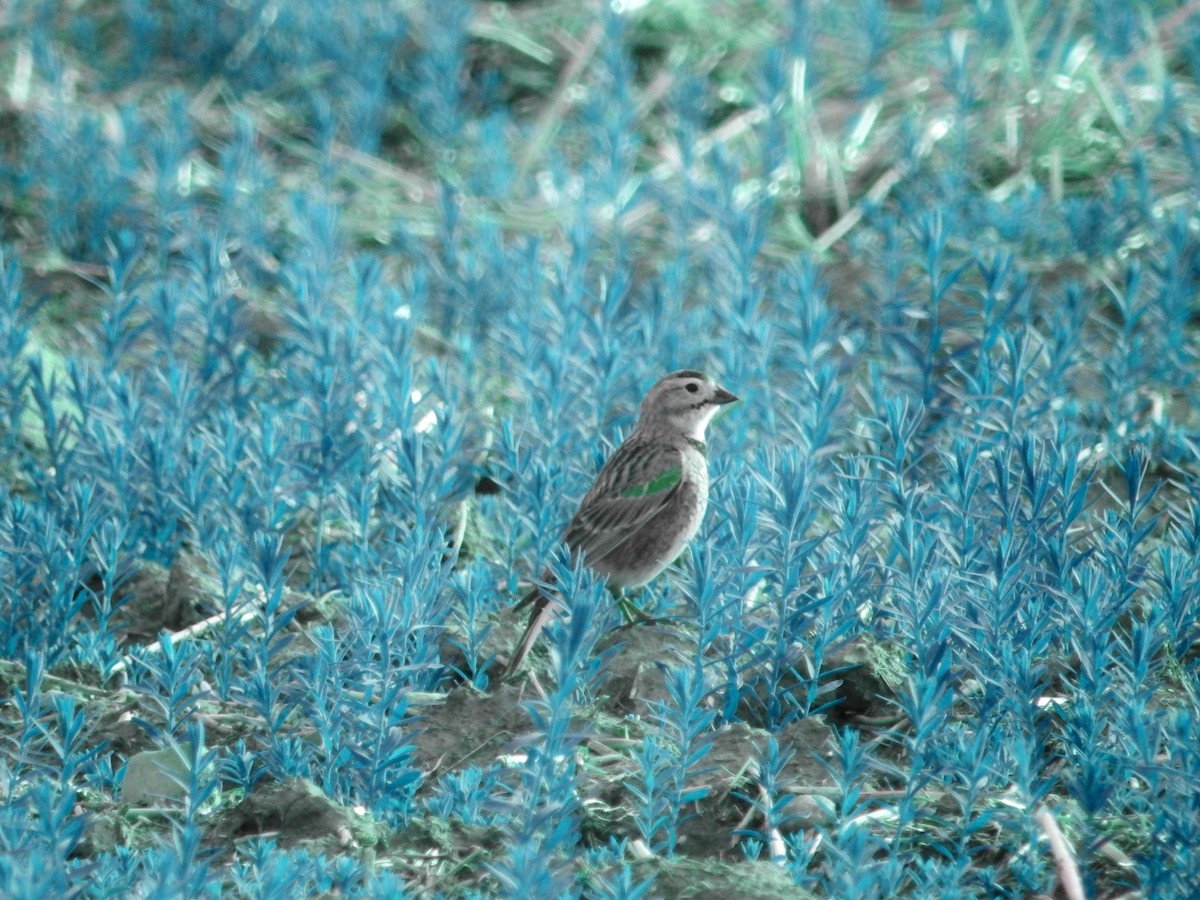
(655, 485)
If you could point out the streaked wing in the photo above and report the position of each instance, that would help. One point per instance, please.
(638, 482)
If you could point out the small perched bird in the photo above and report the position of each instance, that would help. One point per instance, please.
(649, 498)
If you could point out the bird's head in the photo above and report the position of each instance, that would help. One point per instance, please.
(683, 402)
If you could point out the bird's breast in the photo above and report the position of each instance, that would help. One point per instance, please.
(693, 496)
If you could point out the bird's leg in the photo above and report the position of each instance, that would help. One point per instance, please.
(629, 611)
(632, 614)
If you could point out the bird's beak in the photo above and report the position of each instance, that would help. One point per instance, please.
(723, 396)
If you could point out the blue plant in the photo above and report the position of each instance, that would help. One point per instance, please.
(669, 760)
(263, 330)
(768, 798)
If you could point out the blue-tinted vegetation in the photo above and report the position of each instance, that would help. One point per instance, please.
(315, 325)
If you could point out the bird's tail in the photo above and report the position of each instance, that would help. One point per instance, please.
(543, 608)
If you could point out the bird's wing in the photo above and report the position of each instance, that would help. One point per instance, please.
(638, 482)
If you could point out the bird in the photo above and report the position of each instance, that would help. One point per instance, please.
(648, 499)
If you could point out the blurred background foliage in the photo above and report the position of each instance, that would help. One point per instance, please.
(318, 320)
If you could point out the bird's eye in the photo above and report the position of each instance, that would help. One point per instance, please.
(692, 387)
